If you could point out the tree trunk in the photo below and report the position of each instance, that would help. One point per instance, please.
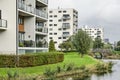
(81, 55)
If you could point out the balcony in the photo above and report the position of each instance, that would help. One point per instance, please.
(66, 17)
(43, 1)
(27, 43)
(42, 43)
(28, 9)
(66, 25)
(41, 30)
(3, 24)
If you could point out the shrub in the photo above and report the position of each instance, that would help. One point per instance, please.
(29, 60)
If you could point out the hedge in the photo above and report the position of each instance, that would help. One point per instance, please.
(29, 60)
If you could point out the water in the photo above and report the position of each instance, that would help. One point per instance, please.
(115, 75)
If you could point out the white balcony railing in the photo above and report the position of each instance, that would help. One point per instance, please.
(3, 23)
(30, 9)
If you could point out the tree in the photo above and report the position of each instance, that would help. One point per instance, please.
(82, 42)
(51, 46)
(98, 43)
(66, 46)
(118, 43)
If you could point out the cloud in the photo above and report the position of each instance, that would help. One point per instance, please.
(61, 3)
(105, 13)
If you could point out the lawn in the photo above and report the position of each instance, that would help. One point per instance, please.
(72, 57)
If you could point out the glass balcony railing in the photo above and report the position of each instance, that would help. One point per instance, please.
(44, 1)
(27, 43)
(65, 35)
(66, 25)
(26, 8)
(41, 13)
(3, 23)
(30, 9)
(41, 29)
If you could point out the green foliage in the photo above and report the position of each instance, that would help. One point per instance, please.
(66, 46)
(107, 46)
(117, 48)
(31, 59)
(118, 43)
(82, 42)
(21, 44)
(98, 43)
(70, 57)
(51, 46)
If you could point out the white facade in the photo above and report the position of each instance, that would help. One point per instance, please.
(62, 24)
(23, 26)
(94, 32)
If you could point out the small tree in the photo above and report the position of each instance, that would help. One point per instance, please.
(98, 43)
(51, 46)
(66, 46)
(82, 42)
(118, 43)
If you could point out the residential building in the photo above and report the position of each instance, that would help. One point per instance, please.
(23, 26)
(94, 32)
(62, 24)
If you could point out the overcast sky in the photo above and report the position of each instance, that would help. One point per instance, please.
(105, 13)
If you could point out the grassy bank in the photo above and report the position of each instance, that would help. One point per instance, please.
(71, 57)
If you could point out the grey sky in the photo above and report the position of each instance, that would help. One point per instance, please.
(104, 13)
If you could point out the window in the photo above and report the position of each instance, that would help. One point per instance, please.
(64, 11)
(50, 11)
(59, 37)
(55, 24)
(50, 29)
(55, 15)
(50, 20)
(50, 16)
(50, 24)
(55, 33)
(59, 20)
(50, 33)
(59, 29)
(59, 11)
(0, 14)
(50, 38)
(21, 20)
(64, 37)
(21, 37)
(55, 42)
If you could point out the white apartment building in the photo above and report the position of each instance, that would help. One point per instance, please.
(94, 32)
(62, 24)
(23, 26)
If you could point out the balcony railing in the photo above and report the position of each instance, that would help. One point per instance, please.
(44, 1)
(66, 25)
(30, 9)
(3, 23)
(41, 13)
(66, 35)
(41, 29)
(27, 43)
(33, 44)
(66, 17)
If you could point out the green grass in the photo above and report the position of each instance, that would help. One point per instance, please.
(116, 52)
(71, 57)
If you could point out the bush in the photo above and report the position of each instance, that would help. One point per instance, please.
(29, 60)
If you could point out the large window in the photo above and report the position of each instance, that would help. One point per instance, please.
(0, 14)
(21, 20)
(21, 36)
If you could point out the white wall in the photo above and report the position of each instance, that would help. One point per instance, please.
(8, 37)
(29, 25)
